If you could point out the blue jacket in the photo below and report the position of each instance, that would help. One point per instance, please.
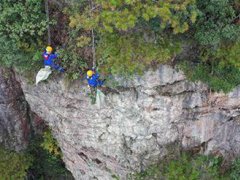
(49, 59)
(94, 81)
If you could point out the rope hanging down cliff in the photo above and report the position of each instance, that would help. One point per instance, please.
(93, 39)
(48, 26)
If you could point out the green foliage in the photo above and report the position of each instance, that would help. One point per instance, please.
(184, 167)
(22, 27)
(153, 172)
(235, 169)
(9, 52)
(112, 21)
(50, 144)
(131, 54)
(35, 163)
(199, 167)
(229, 55)
(45, 165)
(125, 15)
(122, 28)
(217, 35)
(214, 25)
(13, 165)
(11, 56)
(72, 61)
(219, 78)
(22, 20)
(129, 36)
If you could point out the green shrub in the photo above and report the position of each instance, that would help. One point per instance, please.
(35, 163)
(219, 78)
(13, 165)
(12, 56)
(214, 23)
(217, 38)
(229, 55)
(235, 169)
(22, 28)
(31, 20)
(72, 62)
(132, 54)
(120, 16)
(185, 167)
(45, 165)
(50, 144)
(128, 35)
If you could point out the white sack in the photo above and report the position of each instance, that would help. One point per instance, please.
(43, 74)
(100, 98)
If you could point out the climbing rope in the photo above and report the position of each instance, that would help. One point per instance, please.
(48, 26)
(93, 49)
(93, 39)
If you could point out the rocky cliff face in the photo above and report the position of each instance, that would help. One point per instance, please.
(14, 113)
(138, 121)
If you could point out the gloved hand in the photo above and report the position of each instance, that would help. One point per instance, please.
(61, 70)
(94, 69)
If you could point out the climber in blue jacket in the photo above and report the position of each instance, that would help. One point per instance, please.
(93, 79)
(49, 59)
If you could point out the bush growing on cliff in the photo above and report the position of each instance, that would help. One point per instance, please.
(50, 144)
(45, 165)
(13, 165)
(234, 171)
(183, 168)
(34, 163)
(129, 34)
(216, 33)
(215, 24)
(131, 54)
(219, 78)
(22, 27)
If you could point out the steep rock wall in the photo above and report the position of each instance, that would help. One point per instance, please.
(14, 113)
(137, 122)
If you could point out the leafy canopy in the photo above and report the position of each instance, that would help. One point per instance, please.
(131, 54)
(216, 33)
(214, 25)
(129, 34)
(22, 28)
(22, 20)
(123, 15)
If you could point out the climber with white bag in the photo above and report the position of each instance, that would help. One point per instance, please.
(49, 63)
(94, 82)
(93, 79)
(49, 58)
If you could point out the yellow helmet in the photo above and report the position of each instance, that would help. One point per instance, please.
(49, 49)
(90, 73)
